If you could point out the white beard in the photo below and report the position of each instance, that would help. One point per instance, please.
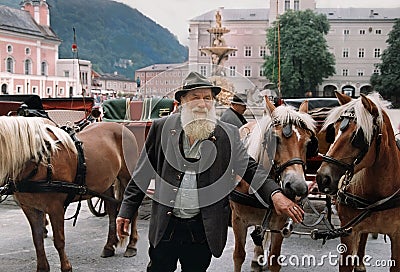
(198, 124)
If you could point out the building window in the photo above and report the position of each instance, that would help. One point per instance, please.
(345, 53)
(232, 71)
(376, 71)
(10, 65)
(346, 32)
(360, 72)
(262, 51)
(19, 89)
(247, 71)
(27, 51)
(261, 71)
(287, 4)
(9, 48)
(378, 31)
(66, 73)
(28, 66)
(362, 31)
(233, 53)
(43, 68)
(48, 90)
(202, 54)
(247, 51)
(61, 91)
(345, 72)
(203, 70)
(377, 53)
(34, 90)
(361, 52)
(296, 5)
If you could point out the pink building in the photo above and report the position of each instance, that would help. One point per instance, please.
(29, 53)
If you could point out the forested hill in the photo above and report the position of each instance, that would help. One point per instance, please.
(110, 33)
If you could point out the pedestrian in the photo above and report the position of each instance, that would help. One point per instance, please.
(193, 158)
(234, 114)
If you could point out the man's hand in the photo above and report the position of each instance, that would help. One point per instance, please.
(284, 205)
(122, 227)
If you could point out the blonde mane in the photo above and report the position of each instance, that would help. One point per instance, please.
(24, 139)
(364, 118)
(281, 115)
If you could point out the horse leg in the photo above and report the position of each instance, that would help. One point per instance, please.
(240, 233)
(112, 239)
(256, 265)
(395, 247)
(131, 250)
(35, 218)
(275, 252)
(347, 261)
(360, 267)
(57, 225)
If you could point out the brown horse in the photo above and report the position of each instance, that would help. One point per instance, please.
(33, 150)
(291, 134)
(362, 168)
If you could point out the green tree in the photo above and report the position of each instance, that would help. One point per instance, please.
(387, 82)
(304, 56)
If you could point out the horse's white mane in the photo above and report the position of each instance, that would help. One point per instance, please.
(24, 139)
(364, 118)
(283, 115)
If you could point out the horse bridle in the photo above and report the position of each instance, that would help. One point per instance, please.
(357, 140)
(287, 132)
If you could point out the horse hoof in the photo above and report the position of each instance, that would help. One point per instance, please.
(107, 253)
(256, 267)
(130, 252)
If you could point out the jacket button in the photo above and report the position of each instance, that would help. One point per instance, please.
(172, 201)
(169, 213)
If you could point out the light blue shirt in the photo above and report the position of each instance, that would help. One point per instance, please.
(187, 198)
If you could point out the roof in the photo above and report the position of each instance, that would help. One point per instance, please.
(360, 13)
(21, 21)
(331, 13)
(235, 15)
(162, 67)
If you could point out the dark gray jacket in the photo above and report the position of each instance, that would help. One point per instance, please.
(233, 117)
(222, 156)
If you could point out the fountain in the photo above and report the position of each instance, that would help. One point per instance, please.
(219, 53)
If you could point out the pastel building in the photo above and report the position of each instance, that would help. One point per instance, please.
(29, 62)
(357, 38)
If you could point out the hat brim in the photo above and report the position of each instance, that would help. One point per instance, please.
(239, 103)
(215, 90)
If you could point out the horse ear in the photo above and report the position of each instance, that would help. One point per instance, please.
(369, 105)
(268, 104)
(304, 107)
(343, 98)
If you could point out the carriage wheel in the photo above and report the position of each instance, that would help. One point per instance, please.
(96, 206)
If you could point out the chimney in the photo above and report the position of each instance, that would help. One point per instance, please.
(39, 10)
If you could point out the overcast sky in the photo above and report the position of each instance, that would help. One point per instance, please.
(175, 14)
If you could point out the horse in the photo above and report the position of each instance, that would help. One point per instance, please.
(291, 134)
(36, 155)
(361, 168)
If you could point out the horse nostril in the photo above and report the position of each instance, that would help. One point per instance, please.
(323, 180)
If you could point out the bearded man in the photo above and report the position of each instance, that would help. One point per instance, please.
(194, 158)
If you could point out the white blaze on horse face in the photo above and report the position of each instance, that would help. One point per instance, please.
(297, 133)
(336, 138)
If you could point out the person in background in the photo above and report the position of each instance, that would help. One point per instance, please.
(193, 158)
(234, 114)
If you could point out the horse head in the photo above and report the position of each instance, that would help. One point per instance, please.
(354, 130)
(286, 140)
